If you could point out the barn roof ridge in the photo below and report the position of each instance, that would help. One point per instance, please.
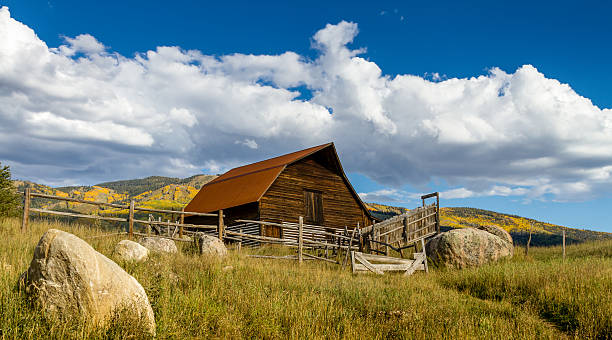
(250, 182)
(282, 160)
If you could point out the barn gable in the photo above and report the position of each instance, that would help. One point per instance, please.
(283, 181)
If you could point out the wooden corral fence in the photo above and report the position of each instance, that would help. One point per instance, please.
(405, 230)
(169, 229)
(318, 240)
(312, 242)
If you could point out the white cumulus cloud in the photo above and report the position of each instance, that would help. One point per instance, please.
(81, 113)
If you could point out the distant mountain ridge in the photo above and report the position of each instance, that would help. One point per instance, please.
(174, 193)
(154, 192)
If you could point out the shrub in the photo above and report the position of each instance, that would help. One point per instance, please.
(9, 199)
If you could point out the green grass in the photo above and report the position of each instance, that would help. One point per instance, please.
(540, 296)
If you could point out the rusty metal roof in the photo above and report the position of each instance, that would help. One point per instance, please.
(248, 183)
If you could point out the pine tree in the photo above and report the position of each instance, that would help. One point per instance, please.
(9, 199)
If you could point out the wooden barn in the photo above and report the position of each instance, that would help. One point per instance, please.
(308, 183)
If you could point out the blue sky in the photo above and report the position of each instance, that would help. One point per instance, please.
(557, 101)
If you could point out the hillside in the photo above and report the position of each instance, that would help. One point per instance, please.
(135, 187)
(543, 233)
(154, 192)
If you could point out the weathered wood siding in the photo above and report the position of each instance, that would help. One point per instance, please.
(284, 200)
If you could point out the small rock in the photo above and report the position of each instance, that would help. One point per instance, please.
(68, 278)
(131, 251)
(159, 245)
(467, 247)
(210, 245)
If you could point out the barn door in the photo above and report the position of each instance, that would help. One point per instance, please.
(313, 206)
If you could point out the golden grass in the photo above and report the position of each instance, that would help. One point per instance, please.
(193, 297)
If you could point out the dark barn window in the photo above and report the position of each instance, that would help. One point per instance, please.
(313, 203)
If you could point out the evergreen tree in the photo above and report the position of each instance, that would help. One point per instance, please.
(9, 199)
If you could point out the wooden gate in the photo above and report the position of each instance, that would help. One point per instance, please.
(361, 262)
(404, 230)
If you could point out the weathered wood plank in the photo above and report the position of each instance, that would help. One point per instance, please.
(380, 258)
(62, 213)
(284, 200)
(417, 264)
(367, 264)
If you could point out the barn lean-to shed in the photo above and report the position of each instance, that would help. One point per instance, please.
(309, 183)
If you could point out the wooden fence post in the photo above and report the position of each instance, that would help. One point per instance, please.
(131, 220)
(149, 225)
(168, 228)
(300, 238)
(350, 246)
(529, 240)
(437, 212)
(221, 230)
(182, 222)
(240, 242)
(26, 210)
(361, 238)
(563, 244)
(387, 245)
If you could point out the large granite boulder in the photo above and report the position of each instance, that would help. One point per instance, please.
(210, 245)
(68, 278)
(159, 245)
(131, 251)
(498, 231)
(467, 247)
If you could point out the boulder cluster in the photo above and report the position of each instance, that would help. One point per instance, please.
(67, 277)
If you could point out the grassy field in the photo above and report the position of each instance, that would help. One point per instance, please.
(540, 296)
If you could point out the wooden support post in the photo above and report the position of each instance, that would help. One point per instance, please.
(361, 241)
(349, 249)
(564, 244)
(168, 228)
(300, 238)
(387, 245)
(240, 242)
(437, 212)
(149, 225)
(221, 226)
(182, 222)
(26, 210)
(131, 220)
(373, 245)
(424, 255)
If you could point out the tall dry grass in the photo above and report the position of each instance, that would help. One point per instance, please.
(194, 297)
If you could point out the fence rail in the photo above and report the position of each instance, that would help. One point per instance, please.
(27, 209)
